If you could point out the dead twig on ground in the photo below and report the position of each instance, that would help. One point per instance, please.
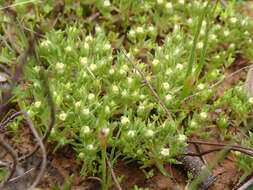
(14, 156)
(113, 174)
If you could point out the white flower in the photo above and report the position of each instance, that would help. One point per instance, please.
(115, 89)
(105, 131)
(213, 37)
(98, 29)
(129, 80)
(233, 20)
(141, 107)
(107, 46)
(226, 33)
(90, 147)
(176, 27)
(86, 111)
(83, 60)
(204, 23)
(124, 120)
(84, 74)
(60, 66)
(168, 97)
(142, 96)
(193, 123)
(165, 151)
(63, 116)
(200, 45)
(189, 21)
(201, 86)
(68, 48)
(168, 71)
(89, 38)
(132, 33)
(203, 115)
(168, 5)
(93, 67)
(149, 133)
(122, 71)
(111, 71)
(166, 85)
(139, 30)
(46, 43)
(131, 133)
(78, 104)
(30, 113)
(182, 138)
(91, 96)
(151, 28)
(37, 68)
(85, 129)
(86, 45)
(160, 1)
(124, 93)
(217, 56)
(179, 66)
(177, 50)
(107, 3)
(155, 62)
(181, 1)
(37, 104)
(251, 100)
(107, 109)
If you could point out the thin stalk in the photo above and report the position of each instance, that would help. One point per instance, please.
(189, 79)
(104, 168)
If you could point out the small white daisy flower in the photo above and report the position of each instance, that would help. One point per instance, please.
(46, 43)
(63, 116)
(182, 138)
(60, 66)
(115, 89)
(105, 131)
(107, 3)
(91, 96)
(83, 60)
(200, 45)
(139, 30)
(37, 104)
(124, 120)
(181, 1)
(68, 48)
(179, 66)
(149, 133)
(165, 151)
(155, 62)
(86, 111)
(132, 33)
(226, 33)
(37, 69)
(237, 153)
(251, 100)
(78, 104)
(107, 109)
(233, 20)
(203, 115)
(189, 21)
(129, 80)
(201, 86)
(193, 123)
(131, 133)
(166, 85)
(107, 46)
(124, 93)
(85, 129)
(168, 97)
(86, 45)
(168, 5)
(160, 1)
(90, 147)
(93, 67)
(213, 37)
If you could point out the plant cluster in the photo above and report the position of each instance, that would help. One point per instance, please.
(102, 101)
